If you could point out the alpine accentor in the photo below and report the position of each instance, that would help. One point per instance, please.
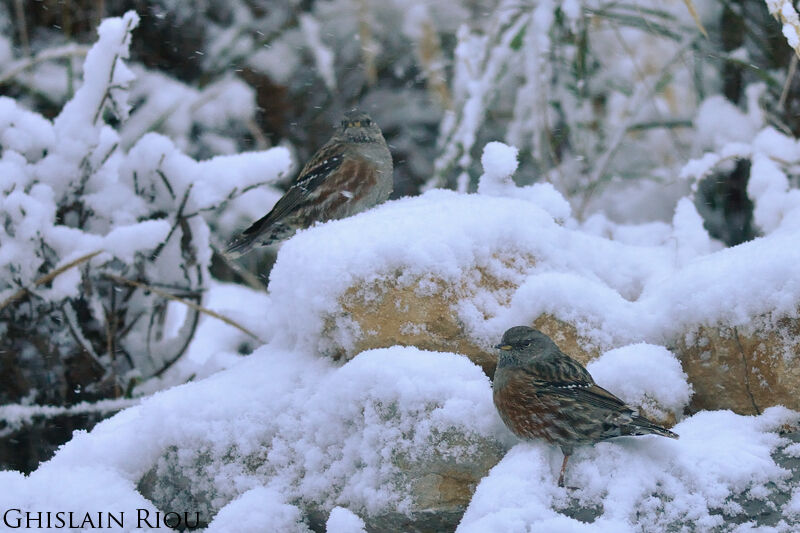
(542, 393)
(349, 174)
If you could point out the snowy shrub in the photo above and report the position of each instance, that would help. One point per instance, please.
(728, 135)
(548, 78)
(96, 240)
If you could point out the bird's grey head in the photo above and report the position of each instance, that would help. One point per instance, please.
(358, 127)
(521, 343)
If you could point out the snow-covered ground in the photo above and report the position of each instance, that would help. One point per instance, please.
(264, 441)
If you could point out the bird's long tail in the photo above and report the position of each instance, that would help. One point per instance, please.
(247, 239)
(642, 426)
(241, 244)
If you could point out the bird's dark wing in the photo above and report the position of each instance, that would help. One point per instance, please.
(587, 394)
(325, 161)
(559, 369)
(559, 374)
(570, 386)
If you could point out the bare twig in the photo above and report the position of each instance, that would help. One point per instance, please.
(251, 279)
(18, 415)
(167, 184)
(111, 324)
(187, 337)
(72, 324)
(262, 143)
(235, 193)
(47, 278)
(187, 303)
(22, 27)
(179, 216)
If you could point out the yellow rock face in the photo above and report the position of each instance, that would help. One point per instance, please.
(566, 337)
(393, 315)
(423, 313)
(745, 369)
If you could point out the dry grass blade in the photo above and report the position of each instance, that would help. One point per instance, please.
(696, 17)
(17, 67)
(168, 296)
(368, 45)
(431, 58)
(47, 278)
(788, 83)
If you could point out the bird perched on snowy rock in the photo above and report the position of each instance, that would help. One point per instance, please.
(349, 174)
(542, 393)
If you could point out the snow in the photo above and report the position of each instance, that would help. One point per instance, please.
(177, 110)
(279, 60)
(260, 510)
(68, 189)
(698, 294)
(499, 164)
(720, 122)
(333, 421)
(80, 115)
(792, 507)
(343, 520)
(471, 231)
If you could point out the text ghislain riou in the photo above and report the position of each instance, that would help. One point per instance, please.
(19, 519)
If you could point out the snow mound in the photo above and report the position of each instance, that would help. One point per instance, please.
(645, 376)
(259, 510)
(278, 423)
(394, 243)
(343, 520)
(721, 461)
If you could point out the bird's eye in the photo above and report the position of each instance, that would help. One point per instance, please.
(367, 122)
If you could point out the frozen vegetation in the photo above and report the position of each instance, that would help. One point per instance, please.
(308, 431)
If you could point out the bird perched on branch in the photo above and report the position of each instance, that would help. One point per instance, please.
(349, 174)
(542, 393)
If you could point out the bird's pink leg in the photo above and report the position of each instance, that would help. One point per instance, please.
(563, 469)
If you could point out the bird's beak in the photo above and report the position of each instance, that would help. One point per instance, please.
(501, 346)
